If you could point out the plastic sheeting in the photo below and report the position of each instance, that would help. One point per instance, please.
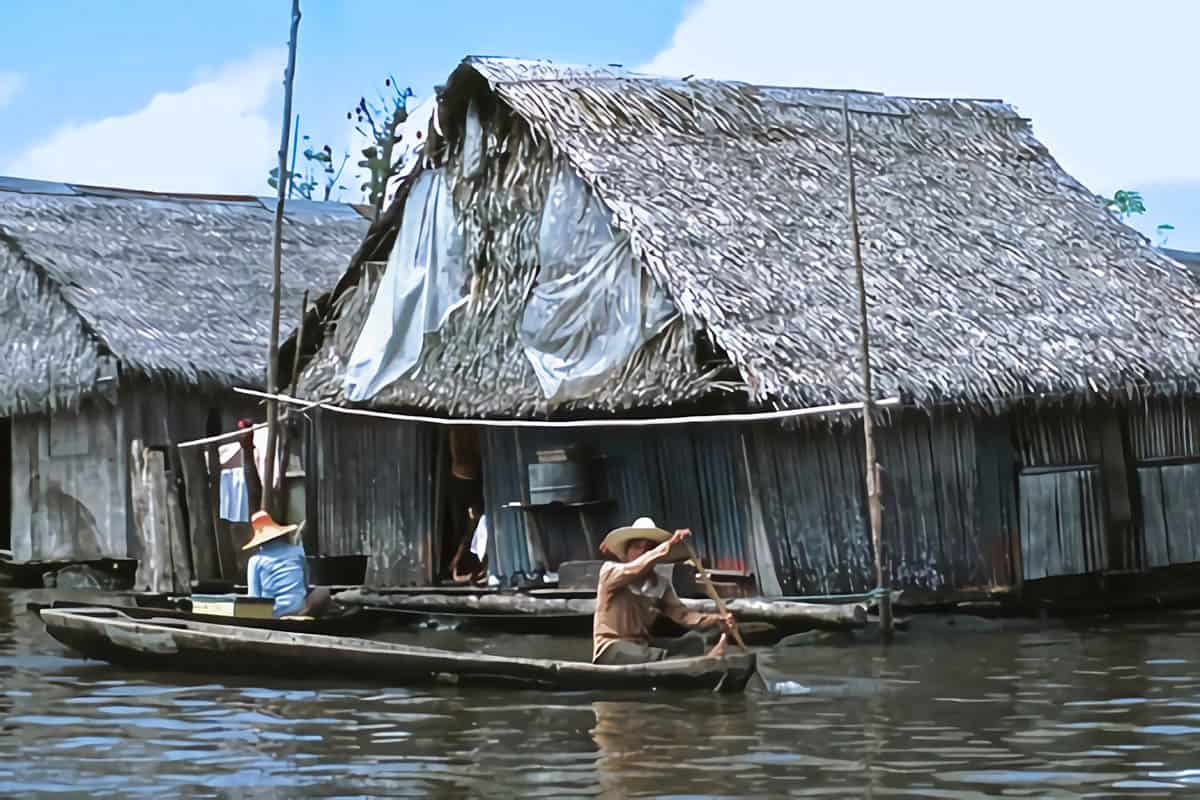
(408, 151)
(472, 143)
(425, 279)
(594, 304)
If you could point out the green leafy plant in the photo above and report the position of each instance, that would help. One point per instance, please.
(1125, 203)
(378, 122)
(319, 173)
(1164, 231)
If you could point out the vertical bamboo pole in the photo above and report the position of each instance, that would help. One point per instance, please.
(285, 447)
(268, 495)
(874, 507)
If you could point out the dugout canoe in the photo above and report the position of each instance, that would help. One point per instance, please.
(356, 622)
(182, 645)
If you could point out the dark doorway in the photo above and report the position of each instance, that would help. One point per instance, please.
(462, 504)
(5, 484)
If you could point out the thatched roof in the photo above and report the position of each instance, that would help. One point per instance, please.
(992, 274)
(169, 286)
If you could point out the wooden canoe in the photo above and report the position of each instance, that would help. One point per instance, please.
(357, 622)
(28, 574)
(179, 645)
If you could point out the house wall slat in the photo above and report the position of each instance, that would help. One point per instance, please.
(949, 504)
(66, 488)
(375, 495)
(1165, 427)
(816, 524)
(1063, 530)
(1155, 552)
(1180, 491)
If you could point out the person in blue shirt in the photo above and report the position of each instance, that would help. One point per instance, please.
(279, 570)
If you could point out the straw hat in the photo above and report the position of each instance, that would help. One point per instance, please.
(642, 528)
(266, 529)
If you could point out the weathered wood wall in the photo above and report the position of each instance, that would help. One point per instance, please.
(67, 488)
(1165, 441)
(69, 471)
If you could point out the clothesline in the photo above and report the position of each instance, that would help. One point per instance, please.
(754, 416)
(240, 432)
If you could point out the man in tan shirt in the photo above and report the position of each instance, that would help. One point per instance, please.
(630, 594)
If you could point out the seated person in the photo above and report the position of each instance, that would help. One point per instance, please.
(279, 570)
(470, 560)
(630, 595)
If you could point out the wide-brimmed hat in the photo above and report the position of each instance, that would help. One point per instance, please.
(266, 529)
(642, 528)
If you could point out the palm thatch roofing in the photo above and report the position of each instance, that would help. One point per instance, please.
(174, 286)
(992, 274)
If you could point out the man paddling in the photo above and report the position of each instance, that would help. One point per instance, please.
(630, 594)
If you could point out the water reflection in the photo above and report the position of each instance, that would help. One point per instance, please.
(1106, 710)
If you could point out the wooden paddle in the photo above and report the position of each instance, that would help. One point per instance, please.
(712, 592)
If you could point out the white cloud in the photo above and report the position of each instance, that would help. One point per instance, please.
(218, 135)
(1108, 85)
(11, 84)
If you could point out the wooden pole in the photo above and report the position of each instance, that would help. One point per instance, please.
(874, 508)
(285, 448)
(268, 495)
(712, 592)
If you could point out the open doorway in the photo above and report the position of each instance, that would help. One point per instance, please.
(6, 483)
(463, 519)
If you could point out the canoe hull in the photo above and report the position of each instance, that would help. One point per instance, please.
(176, 645)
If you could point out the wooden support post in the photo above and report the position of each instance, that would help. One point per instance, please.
(285, 448)
(269, 495)
(874, 506)
(201, 528)
(180, 573)
(148, 485)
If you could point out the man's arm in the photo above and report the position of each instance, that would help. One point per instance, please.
(252, 577)
(672, 608)
(623, 574)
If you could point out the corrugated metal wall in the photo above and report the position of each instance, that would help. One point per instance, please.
(374, 494)
(948, 504)
(681, 477)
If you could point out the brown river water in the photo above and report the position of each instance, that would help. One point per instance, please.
(1107, 708)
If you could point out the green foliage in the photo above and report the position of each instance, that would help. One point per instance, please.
(378, 122)
(1125, 203)
(319, 173)
(1164, 231)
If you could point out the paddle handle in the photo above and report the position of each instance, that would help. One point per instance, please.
(712, 592)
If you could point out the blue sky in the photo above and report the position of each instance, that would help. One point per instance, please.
(168, 95)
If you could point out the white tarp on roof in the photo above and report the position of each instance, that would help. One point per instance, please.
(425, 279)
(594, 304)
(407, 152)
